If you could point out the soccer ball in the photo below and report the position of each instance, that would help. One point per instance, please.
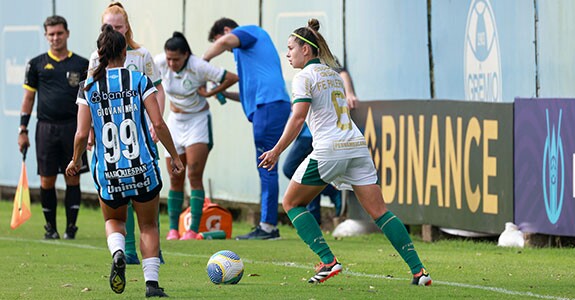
(225, 267)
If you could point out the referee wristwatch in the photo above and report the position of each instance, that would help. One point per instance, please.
(22, 130)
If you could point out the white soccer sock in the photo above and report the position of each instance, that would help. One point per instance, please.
(151, 267)
(267, 227)
(116, 241)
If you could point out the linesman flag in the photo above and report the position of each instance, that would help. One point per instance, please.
(21, 212)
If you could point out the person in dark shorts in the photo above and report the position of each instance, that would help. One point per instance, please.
(54, 76)
(139, 59)
(115, 101)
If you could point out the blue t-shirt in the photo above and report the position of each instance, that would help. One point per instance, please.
(259, 69)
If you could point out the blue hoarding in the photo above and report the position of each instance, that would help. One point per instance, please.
(544, 149)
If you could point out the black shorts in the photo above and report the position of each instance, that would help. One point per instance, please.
(55, 147)
(149, 196)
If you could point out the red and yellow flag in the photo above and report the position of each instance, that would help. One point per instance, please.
(21, 212)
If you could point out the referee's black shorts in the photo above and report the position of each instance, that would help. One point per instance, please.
(55, 147)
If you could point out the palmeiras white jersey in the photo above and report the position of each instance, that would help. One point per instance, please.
(181, 87)
(335, 136)
(124, 163)
(136, 60)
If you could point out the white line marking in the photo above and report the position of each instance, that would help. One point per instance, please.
(300, 266)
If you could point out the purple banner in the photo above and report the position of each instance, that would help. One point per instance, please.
(544, 165)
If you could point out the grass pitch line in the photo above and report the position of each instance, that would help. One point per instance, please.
(53, 242)
(455, 284)
(307, 267)
(465, 285)
(500, 290)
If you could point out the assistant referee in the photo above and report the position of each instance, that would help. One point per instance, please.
(55, 76)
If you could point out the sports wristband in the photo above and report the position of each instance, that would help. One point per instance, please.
(24, 119)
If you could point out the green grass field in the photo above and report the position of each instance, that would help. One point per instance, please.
(32, 268)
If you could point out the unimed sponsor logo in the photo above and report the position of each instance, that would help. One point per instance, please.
(122, 187)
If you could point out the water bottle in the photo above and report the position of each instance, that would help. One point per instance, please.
(221, 98)
(212, 235)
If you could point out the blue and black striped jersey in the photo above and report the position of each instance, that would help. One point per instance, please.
(124, 163)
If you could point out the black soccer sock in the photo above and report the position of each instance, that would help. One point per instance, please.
(72, 203)
(153, 284)
(49, 202)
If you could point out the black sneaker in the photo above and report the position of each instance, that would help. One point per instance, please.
(51, 233)
(118, 272)
(259, 234)
(70, 233)
(422, 278)
(325, 272)
(155, 292)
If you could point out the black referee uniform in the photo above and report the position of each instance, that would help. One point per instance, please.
(56, 83)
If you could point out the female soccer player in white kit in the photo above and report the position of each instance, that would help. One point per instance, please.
(184, 77)
(339, 155)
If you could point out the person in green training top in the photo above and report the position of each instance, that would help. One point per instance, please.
(340, 155)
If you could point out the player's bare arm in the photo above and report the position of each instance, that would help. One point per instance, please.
(352, 101)
(231, 95)
(80, 139)
(226, 42)
(163, 132)
(229, 79)
(161, 99)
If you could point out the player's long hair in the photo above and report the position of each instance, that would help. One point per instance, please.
(178, 42)
(111, 46)
(117, 8)
(311, 34)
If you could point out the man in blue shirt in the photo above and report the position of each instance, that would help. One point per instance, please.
(264, 100)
